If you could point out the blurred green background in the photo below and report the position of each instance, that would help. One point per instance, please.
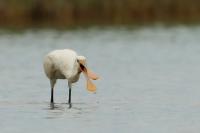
(67, 13)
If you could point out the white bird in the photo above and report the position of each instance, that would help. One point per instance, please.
(66, 64)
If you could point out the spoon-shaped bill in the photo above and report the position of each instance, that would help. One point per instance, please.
(89, 75)
(90, 86)
(92, 75)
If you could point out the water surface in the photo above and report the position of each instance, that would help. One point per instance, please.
(149, 81)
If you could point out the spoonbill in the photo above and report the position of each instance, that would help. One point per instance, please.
(66, 64)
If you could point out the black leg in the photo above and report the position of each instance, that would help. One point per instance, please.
(52, 95)
(69, 100)
(52, 81)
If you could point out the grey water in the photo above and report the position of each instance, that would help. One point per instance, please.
(149, 81)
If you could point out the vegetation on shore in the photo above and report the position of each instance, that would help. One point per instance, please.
(68, 13)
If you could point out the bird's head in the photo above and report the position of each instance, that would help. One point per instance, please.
(88, 73)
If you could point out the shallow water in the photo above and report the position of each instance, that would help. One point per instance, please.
(149, 81)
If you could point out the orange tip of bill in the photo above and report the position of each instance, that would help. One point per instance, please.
(90, 86)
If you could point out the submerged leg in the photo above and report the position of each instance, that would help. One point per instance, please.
(69, 100)
(52, 81)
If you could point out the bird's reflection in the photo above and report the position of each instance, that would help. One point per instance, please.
(54, 106)
(58, 110)
(70, 105)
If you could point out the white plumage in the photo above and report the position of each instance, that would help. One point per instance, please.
(66, 64)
